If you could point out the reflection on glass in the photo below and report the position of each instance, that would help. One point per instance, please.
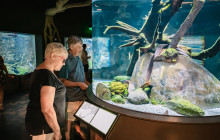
(88, 42)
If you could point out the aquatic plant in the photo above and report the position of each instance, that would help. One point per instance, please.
(122, 78)
(184, 107)
(118, 87)
(118, 99)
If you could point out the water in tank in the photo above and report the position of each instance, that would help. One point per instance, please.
(159, 57)
(18, 51)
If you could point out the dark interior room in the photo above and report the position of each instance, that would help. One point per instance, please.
(29, 17)
(153, 69)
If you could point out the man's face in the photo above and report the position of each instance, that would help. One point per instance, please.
(76, 49)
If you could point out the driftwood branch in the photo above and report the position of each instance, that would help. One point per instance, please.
(50, 30)
(61, 5)
(197, 5)
(170, 8)
(122, 29)
(150, 24)
(156, 32)
(210, 52)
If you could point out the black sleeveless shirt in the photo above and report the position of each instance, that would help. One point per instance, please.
(34, 120)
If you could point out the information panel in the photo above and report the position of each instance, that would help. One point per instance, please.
(103, 120)
(97, 117)
(87, 111)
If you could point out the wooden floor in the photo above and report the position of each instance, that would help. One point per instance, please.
(12, 125)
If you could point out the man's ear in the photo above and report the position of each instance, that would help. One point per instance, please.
(52, 56)
(71, 47)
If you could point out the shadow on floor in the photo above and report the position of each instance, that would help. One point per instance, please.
(12, 118)
(12, 125)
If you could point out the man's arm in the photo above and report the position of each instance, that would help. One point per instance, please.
(69, 83)
(47, 94)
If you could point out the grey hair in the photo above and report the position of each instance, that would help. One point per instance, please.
(74, 39)
(56, 48)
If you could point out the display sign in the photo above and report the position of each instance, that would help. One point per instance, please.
(87, 111)
(103, 120)
(97, 117)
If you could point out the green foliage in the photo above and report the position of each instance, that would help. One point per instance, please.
(112, 93)
(171, 53)
(118, 99)
(184, 107)
(164, 8)
(122, 78)
(118, 87)
(106, 96)
(126, 92)
(173, 60)
(146, 89)
(153, 102)
(21, 70)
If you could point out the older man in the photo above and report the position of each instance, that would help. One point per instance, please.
(73, 77)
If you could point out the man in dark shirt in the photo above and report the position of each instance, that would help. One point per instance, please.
(73, 77)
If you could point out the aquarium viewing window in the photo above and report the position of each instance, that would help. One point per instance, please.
(97, 117)
(18, 51)
(148, 60)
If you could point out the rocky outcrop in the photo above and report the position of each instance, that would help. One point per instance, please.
(103, 92)
(184, 79)
(138, 96)
(184, 107)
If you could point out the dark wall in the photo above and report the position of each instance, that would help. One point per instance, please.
(28, 17)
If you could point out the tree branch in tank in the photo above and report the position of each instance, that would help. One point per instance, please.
(152, 31)
(208, 53)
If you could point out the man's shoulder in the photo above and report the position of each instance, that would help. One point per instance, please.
(71, 60)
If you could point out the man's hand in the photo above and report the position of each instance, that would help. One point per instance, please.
(83, 86)
(87, 82)
(10, 76)
(57, 136)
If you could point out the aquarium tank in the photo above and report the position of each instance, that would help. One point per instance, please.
(18, 51)
(159, 57)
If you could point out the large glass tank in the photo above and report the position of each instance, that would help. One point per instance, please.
(159, 57)
(18, 51)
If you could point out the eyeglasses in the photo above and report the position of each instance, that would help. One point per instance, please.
(64, 60)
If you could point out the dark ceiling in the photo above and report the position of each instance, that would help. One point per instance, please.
(27, 16)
